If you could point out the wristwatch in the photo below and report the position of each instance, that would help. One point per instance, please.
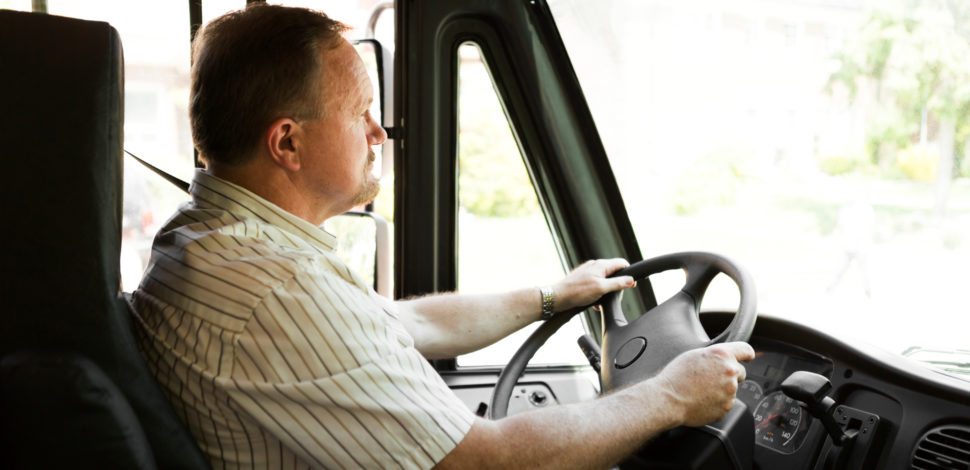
(548, 302)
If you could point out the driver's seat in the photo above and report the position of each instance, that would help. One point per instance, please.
(74, 390)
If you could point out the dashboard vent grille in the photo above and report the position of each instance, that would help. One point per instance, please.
(943, 448)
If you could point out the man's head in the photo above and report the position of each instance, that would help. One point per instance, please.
(251, 67)
(277, 91)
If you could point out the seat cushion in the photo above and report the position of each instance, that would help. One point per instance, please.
(62, 411)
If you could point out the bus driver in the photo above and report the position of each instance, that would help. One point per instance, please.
(276, 355)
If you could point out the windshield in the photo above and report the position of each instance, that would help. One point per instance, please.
(823, 144)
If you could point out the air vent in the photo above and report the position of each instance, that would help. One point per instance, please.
(943, 448)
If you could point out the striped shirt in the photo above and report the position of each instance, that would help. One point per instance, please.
(275, 354)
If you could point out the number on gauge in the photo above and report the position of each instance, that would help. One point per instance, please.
(750, 393)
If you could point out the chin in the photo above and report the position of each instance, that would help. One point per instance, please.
(368, 193)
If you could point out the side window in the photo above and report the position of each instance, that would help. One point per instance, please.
(503, 239)
(155, 40)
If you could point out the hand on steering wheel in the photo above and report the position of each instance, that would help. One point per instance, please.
(638, 350)
(589, 281)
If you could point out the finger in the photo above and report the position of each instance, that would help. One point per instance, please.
(742, 373)
(617, 283)
(613, 265)
(740, 350)
(586, 263)
(621, 261)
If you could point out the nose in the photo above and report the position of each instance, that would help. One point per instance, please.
(377, 134)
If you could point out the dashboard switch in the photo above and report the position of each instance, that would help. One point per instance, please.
(591, 350)
(539, 398)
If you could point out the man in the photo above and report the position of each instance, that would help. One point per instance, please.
(277, 355)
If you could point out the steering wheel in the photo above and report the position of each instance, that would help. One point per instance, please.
(635, 351)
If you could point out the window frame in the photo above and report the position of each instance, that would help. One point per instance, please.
(562, 150)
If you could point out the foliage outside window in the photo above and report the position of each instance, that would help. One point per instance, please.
(822, 144)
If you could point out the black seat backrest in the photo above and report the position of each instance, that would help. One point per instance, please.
(63, 322)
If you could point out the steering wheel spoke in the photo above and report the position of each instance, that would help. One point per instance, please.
(699, 277)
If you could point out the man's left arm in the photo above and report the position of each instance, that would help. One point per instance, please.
(448, 325)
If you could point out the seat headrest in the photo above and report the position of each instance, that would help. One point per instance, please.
(62, 107)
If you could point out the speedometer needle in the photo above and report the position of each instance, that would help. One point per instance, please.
(766, 420)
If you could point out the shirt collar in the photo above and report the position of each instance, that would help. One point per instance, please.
(211, 191)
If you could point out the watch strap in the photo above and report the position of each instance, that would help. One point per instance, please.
(548, 302)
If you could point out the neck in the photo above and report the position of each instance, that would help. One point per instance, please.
(275, 185)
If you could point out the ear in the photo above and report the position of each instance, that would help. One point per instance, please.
(280, 141)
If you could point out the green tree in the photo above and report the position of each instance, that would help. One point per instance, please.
(492, 177)
(917, 60)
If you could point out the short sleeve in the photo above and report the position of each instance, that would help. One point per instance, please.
(323, 367)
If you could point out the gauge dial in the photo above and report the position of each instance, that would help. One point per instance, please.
(778, 421)
(750, 393)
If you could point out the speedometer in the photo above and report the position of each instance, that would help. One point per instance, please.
(779, 423)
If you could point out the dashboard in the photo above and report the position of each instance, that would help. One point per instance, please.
(921, 418)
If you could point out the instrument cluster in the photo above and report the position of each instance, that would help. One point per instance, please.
(781, 423)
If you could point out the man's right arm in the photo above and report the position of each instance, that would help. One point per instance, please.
(696, 388)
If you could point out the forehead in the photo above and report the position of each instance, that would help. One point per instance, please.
(345, 78)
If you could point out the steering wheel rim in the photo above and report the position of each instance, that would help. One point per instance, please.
(666, 330)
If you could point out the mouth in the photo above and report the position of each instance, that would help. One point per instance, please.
(371, 158)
